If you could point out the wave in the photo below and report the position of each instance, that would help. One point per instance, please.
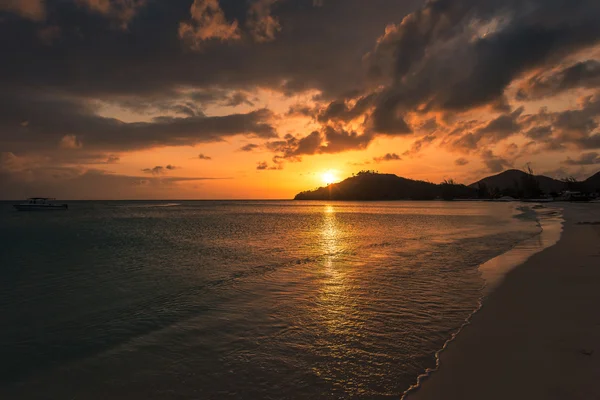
(550, 222)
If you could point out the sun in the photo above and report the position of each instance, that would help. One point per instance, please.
(329, 177)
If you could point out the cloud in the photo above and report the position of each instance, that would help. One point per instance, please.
(292, 146)
(591, 158)
(340, 140)
(511, 150)
(152, 60)
(204, 157)
(238, 98)
(30, 9)
(444, 73)
(74, 123)
(493, 162)
(419, 144)
(342, 110)
(82, 183)
(386, 119)
(249, 147)
(70, 142)
(328, 140)
(278, 162)
(49, 34)
(461, 161)
(576, 127)
(301, 110)
(262, 25)
(207, 22)
(159, 169)
(490, 132)
(387, 157)
(358, 164)
(456, 55)
(121, 11)
(583, 74)
(9, 161)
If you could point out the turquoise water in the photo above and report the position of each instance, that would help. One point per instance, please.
(269, 300)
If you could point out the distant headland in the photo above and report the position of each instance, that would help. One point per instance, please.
(510, 184)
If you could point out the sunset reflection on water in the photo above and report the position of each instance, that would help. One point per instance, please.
(264, 299)
(332, 304)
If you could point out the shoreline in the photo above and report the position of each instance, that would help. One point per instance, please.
(516, 344)
(494, 270)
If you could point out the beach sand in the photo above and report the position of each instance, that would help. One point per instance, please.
(537, 335)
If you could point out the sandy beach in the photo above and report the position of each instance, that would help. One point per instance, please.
(537, 335)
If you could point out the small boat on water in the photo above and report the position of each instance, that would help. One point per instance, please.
(40, 204)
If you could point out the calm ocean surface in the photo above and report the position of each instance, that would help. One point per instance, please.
(218, 300)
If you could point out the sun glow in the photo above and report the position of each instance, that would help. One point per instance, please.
(329, 177)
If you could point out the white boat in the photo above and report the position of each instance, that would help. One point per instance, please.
(40, 204)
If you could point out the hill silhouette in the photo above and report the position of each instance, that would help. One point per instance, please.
(512, 181)
(370, 185)
(593, 182)
(367, 185)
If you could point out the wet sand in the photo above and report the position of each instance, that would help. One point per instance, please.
(537, 335)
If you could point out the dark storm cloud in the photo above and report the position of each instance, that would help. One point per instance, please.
(493, 162)
(135, 55)
(493, 131)
(539, 132)
(589, 142)
(584, 74)
(52, 121)
(178, 58)
(591, 158)
(263, 26)
(502, 126)
(306, 145)
(340, 110)
(340, 140)
(329, 140)
(120, 11)
(455, 55)
(576, 127)
(386, 118)
(149, 58)
(238, 98)
(186, 106)
(461, 161)
(292, 146)
(32, 9)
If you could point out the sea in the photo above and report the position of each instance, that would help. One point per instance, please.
(241, 299)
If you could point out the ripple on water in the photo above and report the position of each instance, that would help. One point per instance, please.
(240, 299)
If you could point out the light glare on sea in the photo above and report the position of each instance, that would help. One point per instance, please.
(217, 300)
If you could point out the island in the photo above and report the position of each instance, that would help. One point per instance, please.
(513, 183)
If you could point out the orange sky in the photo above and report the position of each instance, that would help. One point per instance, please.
(214, 100)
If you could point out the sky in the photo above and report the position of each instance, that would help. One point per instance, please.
(262, 99)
